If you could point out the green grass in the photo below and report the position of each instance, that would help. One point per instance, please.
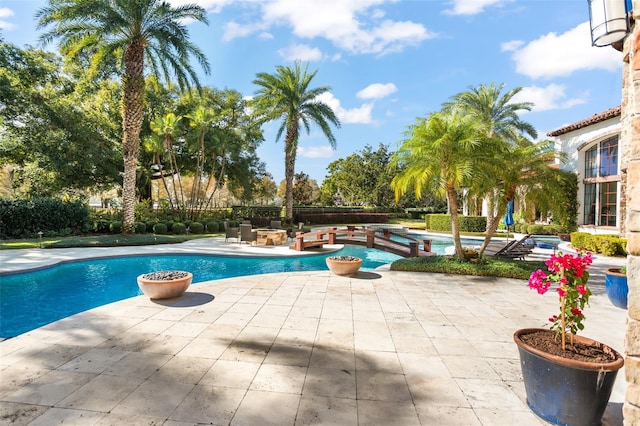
(488, 267)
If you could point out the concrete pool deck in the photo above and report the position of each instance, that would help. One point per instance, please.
(380, 348)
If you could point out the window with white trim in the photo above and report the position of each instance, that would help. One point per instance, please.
(601, 183)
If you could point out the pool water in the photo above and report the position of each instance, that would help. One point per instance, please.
(32, 299)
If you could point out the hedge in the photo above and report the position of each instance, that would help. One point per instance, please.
(344, 217)
(442, 223)
(607, 244)
(21, 218)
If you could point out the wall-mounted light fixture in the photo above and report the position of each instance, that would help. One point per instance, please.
(608, 20)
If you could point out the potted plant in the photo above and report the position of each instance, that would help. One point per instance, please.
(615, 281)
(568, 378)
(164, 284)
(343, 265)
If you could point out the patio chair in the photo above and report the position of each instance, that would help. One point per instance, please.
(232, 233)
(247, 234)
(516, 249)
(276, 224)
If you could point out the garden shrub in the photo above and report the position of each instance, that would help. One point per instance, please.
(160, 228)
(101, 226)
(22, 218)
(179, 228)
(140, 227)
(609, 245)
(169, 224)
(442, 222)
(535, 229)
(115, 227)
(212, 227)
(197, 228)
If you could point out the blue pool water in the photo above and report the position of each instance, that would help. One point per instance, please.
(32, 299)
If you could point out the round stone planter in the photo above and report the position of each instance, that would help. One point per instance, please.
(164, 284)
(344, 265)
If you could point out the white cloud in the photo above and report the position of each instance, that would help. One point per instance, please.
(323, 151)
(548, 98)
(355, 26)
(233, 30)
(559, 55)
(510, 46)
(6, 13)
(471, 7)
(377, 91)
(301, 52)
(360, 115)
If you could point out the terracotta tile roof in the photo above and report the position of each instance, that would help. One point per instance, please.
(595, 118)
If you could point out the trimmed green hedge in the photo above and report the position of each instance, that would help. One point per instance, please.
(21, 218)
(607, 244)
(442, 223)
(344, 217)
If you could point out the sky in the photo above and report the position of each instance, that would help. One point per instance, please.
(388, 62)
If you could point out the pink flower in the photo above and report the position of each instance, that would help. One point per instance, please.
(538, 281)
(581, 289)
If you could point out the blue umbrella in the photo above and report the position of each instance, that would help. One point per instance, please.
(508, 217)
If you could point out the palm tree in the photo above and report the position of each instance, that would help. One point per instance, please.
(440, 155)
(499, 115)
(123, 34)
(498, 112)
(521, 170)
(286, 95)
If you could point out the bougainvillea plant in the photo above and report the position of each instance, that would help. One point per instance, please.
(568, 273)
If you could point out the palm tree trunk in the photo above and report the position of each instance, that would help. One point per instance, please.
(132, 112)
(289, 169)
(452, 198)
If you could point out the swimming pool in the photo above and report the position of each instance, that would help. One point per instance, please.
(32, 299)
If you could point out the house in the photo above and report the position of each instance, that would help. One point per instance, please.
(594, 153)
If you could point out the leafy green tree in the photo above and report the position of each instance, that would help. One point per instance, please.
(286, 96)
(439, 155)
(58, 138)
(363, 178)
(119, 35)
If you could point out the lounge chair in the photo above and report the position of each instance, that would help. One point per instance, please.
(247, 234)
(232, 233)
(515, 249)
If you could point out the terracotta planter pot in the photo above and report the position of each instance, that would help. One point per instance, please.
(346, 267)
(617, 287)
(564, 391)
(164, 288)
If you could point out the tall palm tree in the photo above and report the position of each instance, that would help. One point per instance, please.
(498, 112)
(123, 34)
(286, 95)
(439, 155)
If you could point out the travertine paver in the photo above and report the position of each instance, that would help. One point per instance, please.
(292, 349)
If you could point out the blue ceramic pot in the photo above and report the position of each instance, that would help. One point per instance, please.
(563, 391)
(617, 288)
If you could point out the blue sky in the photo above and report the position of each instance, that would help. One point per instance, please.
(388, 62)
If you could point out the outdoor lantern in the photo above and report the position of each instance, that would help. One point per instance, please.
(608, 19)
